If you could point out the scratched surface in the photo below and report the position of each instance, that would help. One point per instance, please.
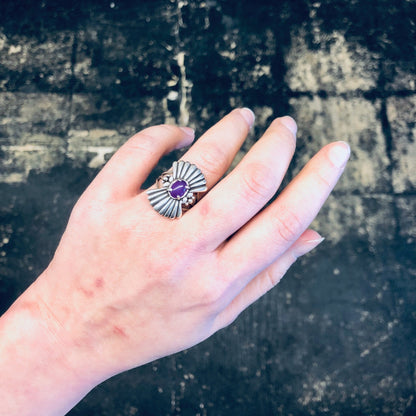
(338, 335)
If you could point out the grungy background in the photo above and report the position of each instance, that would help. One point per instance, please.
(338, 335)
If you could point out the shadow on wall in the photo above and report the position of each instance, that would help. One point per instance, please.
(385, 27)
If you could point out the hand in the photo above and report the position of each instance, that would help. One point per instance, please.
(127, 286)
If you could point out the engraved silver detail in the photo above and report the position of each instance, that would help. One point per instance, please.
(161, 199)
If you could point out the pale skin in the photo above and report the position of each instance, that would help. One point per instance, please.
(127, 286)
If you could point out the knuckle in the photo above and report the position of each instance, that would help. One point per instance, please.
(273, 277)
(211, 296)
(212, 290)
(144, 143)
(288, 225)
(160, 129)
(164, 265)
(322, 181)
(213, 160)
(197, 245)
(148, 140)
(258, 182)
(193, 243)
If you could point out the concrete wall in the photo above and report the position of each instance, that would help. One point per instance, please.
(337, 336)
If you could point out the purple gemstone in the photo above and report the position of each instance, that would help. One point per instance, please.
(178, 189)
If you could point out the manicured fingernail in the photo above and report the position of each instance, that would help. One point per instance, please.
(188, 139)
(188, 131)
(339, 154)
(316, 241)
(308, 245)
(248, 115)
(290, 124)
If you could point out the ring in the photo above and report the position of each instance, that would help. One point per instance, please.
(178, 189)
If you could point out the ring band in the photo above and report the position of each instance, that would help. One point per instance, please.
(178, 189)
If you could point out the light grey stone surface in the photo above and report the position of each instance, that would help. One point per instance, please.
(402, 115)
(354, 120)
(334, 65)
(337, 336)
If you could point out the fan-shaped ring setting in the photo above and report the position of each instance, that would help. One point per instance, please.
(177, 189)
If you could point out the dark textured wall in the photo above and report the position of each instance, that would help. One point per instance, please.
(338, 335)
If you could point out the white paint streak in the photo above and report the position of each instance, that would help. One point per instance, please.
(13, 178)
(185, 85)
(93, 134)
(316, 393)
(15, 49)
(385, 337)
(382, 339)
(99, 159)
(24, 148)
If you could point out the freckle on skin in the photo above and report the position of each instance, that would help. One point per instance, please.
(204, 208)
(118, 331)
(99, 283)
(86, 292)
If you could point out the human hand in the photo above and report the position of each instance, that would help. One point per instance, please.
(127, 286)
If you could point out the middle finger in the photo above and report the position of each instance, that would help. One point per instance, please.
(214, 151)
(245, 191)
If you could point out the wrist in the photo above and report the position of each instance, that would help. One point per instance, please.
(39, 367)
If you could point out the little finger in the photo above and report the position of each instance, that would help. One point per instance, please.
(268, 278)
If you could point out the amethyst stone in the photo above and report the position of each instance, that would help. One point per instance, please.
(178, 189)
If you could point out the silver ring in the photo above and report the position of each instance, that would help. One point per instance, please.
(177, 190)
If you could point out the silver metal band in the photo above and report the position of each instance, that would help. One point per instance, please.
(177, 190)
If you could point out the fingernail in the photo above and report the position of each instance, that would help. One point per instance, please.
(316, 241)
(248, 116)
(308, 245)
(188, 139)
(188, 131)
(339, 153)
(290, 123)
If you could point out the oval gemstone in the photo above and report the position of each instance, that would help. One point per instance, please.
(178, 189)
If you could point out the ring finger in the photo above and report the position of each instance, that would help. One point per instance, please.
(217, 147)
(212, 154)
